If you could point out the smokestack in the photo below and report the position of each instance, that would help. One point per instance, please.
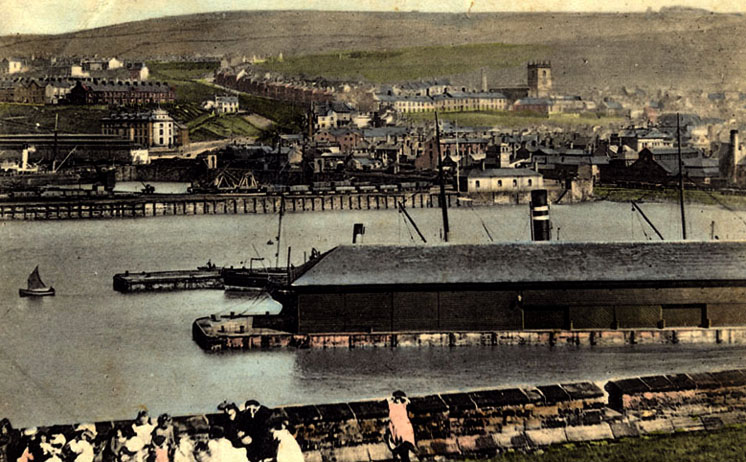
(358, 229)
(735, 155)
(540, 216)
(484, 81)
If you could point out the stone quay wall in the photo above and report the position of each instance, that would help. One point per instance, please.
(206, 333)
(484, 423)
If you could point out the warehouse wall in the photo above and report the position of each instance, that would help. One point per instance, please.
(476, 310)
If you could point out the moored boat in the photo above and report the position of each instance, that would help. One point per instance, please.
(36, 287)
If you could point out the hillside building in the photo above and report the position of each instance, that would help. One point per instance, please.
(154, 129)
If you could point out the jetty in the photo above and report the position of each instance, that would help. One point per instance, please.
(168, 280)
(127, 206)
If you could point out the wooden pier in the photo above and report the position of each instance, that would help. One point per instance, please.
(168, 280)
(218, 204)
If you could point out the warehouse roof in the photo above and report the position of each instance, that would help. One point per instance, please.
(542, 262)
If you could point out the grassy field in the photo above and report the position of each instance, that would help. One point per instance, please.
(216, 127)
(25, 118)
(288, 118)
(191, 89)
(513, 119)
(723, 445)
(183, 78)
(407, 63)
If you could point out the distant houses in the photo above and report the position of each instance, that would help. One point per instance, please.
(222, 104)
(275, 87)
(120, 92)
(84, 91)
(13, 66)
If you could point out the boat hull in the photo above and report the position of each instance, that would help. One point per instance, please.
(45, 292)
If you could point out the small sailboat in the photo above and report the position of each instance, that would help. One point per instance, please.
(36, 287)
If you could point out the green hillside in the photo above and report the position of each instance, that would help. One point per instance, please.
(407, 63)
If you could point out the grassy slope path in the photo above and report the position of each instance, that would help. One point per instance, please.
(722, 445)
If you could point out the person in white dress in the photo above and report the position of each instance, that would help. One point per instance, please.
(288, 449)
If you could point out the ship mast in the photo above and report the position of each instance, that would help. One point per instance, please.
(443, 204)
(681, 178)
(279, 230)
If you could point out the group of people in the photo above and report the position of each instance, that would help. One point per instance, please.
(250, 432)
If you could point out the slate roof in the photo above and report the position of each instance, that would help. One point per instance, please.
(502, 173)
(534, 262)
(128, 86)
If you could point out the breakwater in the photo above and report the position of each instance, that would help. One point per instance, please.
(211, 204)
(487, 422)
(241, 332)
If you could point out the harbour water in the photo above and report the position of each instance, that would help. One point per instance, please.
(90, 353)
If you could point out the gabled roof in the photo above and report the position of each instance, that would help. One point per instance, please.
(526, 263)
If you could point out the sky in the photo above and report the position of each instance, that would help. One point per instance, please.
(57, 16)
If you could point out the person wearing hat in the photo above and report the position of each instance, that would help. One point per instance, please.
(165, 429)
(229, 421)
(143, 426)
(81, 447)
(399, 433)
(288, 449)
(253, 431)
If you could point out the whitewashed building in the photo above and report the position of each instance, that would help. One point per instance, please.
(503, 180)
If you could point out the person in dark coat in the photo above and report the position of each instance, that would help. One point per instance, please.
(254, 431)
(229, 422)
(10, 442)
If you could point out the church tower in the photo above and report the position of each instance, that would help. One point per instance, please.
(539, 79)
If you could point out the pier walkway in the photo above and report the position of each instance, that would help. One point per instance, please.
(210, 204)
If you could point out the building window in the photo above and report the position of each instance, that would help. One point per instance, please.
(515, 183)
(529, 181)
(477, 184)
(500, 183)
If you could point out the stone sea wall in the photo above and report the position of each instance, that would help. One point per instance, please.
(487, 422)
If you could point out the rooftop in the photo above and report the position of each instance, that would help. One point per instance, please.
(502, 173)
(543, 262)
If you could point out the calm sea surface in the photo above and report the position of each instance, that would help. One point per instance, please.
(90, 353)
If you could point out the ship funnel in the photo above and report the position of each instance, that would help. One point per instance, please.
(540, 216)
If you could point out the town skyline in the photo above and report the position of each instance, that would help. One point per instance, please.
(56, 17)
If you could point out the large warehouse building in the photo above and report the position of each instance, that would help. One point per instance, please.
(537, 285)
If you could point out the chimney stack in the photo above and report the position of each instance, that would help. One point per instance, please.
(735, 154)
(540, 230)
